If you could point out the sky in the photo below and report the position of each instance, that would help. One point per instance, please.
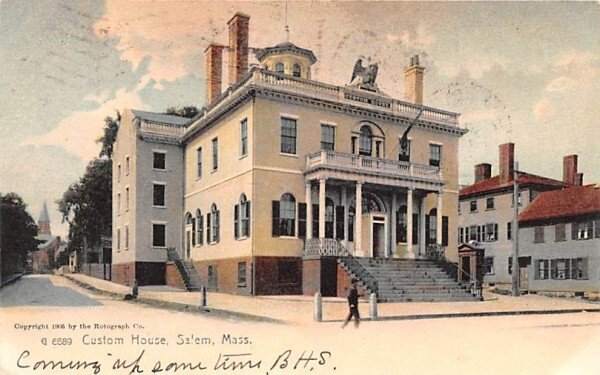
(527, 73)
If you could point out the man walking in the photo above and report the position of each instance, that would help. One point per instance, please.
(353, 305)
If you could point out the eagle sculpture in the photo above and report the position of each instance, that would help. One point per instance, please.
(364, 75)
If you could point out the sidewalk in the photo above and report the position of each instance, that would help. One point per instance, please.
(299, 309)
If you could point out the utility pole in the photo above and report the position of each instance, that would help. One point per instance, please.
(515, 233)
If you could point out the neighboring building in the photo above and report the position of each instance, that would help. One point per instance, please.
(42, 260)
(261, 187)
(560, 232)
(486, 210)
(96, 260)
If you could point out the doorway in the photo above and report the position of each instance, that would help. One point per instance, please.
(378, 240)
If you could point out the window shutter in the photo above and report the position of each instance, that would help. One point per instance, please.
(554, 269)
(208, 237)
(584, 268)
(249, 211)
(574, 228)
(217, 225)
(339, 222)
(302, 220)
(315, 215)
(201, 230)
(415, 228)
(496, 232)
(567, 268)
(194, 232)
(445, 230)
(236, 221)
(590, 226)
(536, 266)
(275, 216)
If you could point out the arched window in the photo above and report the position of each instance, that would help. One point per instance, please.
(212, 225)
(287, 215)
(401, 224)
(370, 204)
(297, 72)
(279, 68)
(365, 146)
(241, 220)
(329, 217)
(199, 228)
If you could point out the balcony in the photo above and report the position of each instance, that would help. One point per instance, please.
(370, 166)
(161, 132)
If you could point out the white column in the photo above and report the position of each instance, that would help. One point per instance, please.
(344, 204)
(309, 216)
(409, 223)
(322, 208)
(422, 233)
(438, 234)
(358, 251)
(393, 219)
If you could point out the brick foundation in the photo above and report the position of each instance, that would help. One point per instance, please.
(172, 276)
(319, 275)
(272, 278)
(344, 282)
(227, 275)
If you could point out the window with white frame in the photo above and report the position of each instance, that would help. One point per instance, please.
(288, 136)
(279, 68)
(199, 162)
(489, 265)
(489, 203)
(435, 155)
(561, 269)
(199, 228)
(118, 239)
(491, 232)
(215, 154)
(284, 216)
(542, 270)
(327, 137)
(297, 71)
(579, 268)
(245, 216)
(126, 237)
(244, 137)
(159, 160)
(127, 198)
(404, 152)
(213, 225)
(473, 206)
(126, 165)
(241, 277)
(365, 141)
(473, 233)
(159, 234)
(584, 230)
(158, 196)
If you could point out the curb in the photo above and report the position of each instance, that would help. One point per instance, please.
(168, 305)
(11, 280)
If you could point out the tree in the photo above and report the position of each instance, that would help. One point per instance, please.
(111, 128)
(17, 233)
(186, 111)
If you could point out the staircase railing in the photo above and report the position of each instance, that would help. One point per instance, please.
(358, 269)
(435, 253)
(173, 256)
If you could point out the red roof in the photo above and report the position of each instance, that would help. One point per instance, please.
(493, 184)
(573, 201)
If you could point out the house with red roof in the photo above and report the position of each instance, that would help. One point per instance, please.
(486, 210)
(560, 232)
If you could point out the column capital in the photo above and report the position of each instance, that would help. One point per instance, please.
(308, 182)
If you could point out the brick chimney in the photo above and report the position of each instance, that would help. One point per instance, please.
(413, 78)
(238, 46)
(570, 174)
(507, 162)
(483, 171)
(213, 56)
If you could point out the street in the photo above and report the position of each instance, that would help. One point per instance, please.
(96, 328)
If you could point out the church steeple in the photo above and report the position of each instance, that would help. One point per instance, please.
(44, 221)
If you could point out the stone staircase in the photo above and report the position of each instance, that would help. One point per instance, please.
(397, 280)
(186, 270)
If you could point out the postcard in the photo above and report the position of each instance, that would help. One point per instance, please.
(293, 187)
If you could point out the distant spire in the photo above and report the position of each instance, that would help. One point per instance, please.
(44, 221)
(44, 214)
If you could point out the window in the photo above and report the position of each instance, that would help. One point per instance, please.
(559, 232)
(244, 137)
(461, 234)
(158, 199)
(213, 225)
(510, 265)
(401, 221)
(159, 235)
(473, 206)
(491, 232)
(126, 237)
(404, 152)
(287, 271)
(365, 143)
(284, 216)
(160, 160)
(509, 230)
(489, 203)
(127, 199)
(473, 233)
(119, 204)
(297, 72)
(327, 137)
(480, 233)
(288, 136)
(199, 162)
(561, 269)
(213, 278)
(215, 154)
(541, 271)
(435, 155)
(538, 235)
(126, 165)
(458, 208)
(582, 230)
(118, 239)
(241, 276)
(199, 228)
(489, 265)
(579, 269)
(119, 172)
(279, 68)
(241, 221)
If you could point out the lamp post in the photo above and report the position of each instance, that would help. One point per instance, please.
(515, 233)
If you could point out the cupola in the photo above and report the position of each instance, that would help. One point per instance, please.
(287, 58)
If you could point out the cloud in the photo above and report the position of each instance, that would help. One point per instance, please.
(475, 66)
(560, 84)
(577, 69)
(418, 38)
(543, 109)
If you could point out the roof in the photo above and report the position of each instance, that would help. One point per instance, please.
(494, 184)
(570, 202)
(47, 238)
(44, 217)
(283, 48)
(160, 117)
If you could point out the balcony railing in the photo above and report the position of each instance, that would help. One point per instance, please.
(371, 164)
(162, 129)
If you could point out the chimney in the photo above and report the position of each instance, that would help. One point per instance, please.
(483, 171)
(570, 175)
(213, 56)
(507, 162)
(238, 46)
(413, 78)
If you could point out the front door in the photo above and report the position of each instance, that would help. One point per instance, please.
(524, 263)
(378, 240)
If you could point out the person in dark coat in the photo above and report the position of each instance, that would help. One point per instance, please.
(353, 305)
